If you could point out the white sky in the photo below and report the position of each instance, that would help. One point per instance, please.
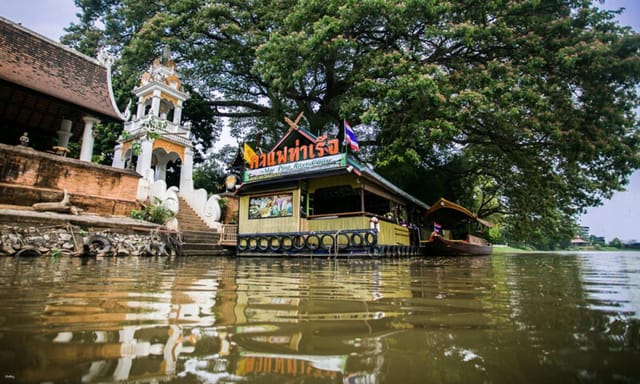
(618, 217)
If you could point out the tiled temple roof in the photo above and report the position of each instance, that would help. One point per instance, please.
(40, 64)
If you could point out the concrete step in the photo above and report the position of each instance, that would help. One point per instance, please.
(191, 227)
(200, 246)
(197, 238)
(200, 237)
(187, 225)
(188, 219)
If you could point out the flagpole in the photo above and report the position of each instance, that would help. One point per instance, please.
(344, 137)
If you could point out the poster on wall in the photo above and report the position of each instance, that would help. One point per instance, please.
(264, 207)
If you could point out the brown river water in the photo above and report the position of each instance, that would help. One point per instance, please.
(534, 318)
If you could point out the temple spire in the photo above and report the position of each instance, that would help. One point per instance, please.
(166, 54)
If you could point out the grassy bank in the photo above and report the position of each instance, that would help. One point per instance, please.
(497, 249)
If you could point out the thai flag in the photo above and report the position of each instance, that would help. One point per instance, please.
(350, 137)
(437, 227)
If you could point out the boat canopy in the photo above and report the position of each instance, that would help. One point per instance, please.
(449, 214)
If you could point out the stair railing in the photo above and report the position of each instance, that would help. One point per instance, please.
(229, 234)
(207, 208)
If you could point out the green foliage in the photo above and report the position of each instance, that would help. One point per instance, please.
(496, 234)
(210, 174)
(596, 240)
(206, 129)
(155, 213)
(105, 140)
(74, 149)
(151, 128)
(616, 243)
(523, 110)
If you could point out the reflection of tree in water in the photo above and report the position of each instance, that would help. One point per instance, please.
(481, 323)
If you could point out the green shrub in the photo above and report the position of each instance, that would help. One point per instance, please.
(154, 213)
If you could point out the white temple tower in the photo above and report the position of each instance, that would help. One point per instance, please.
(155, 136)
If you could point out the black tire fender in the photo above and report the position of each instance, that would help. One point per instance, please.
(263, 243)
(243, 244)
(28, 252)
(286, 243)
(252, 243)
(312, 242)
(326, 241)
(99, 244)
(370, 239)
(299, 242)
(343, 244)
(356, 240)
(275, 244)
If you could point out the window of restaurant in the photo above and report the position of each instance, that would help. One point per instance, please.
(375, 204)
(338, 199)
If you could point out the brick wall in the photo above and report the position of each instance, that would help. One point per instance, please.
(28, 176)
(231, 213)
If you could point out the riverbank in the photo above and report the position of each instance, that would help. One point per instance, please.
(25, 232)
(500, 249)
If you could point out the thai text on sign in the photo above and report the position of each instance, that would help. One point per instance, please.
(322, 147)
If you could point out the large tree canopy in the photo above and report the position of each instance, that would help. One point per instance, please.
(523, 108)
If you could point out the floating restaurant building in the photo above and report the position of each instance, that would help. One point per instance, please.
(307, 196)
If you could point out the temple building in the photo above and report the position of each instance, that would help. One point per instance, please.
(51, 98)
(50, 92)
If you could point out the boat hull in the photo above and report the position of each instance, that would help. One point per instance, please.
(439, 246)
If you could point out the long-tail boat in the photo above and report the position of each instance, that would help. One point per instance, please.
(452, 235)
(309, 196)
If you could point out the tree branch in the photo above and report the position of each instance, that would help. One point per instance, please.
(261, 109)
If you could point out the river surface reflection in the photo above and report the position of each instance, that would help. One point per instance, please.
(571, 317)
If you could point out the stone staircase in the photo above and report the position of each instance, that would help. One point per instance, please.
(197, 238)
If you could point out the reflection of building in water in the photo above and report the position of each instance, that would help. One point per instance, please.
(217, 327)
(294, 327)
(291, 365)
(116, 335)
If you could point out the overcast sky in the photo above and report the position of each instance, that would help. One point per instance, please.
(618, 217)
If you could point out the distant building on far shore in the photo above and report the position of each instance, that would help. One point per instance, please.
(633, 244)
(582, 239)
(579, 242)
(585, 239)
(584, 232)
